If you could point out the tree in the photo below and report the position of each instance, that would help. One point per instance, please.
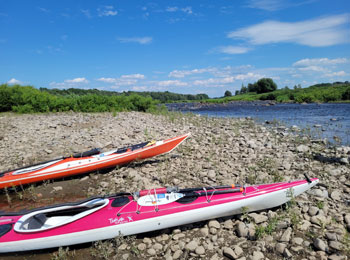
(265, 85)
(228, 93)
(244, 89)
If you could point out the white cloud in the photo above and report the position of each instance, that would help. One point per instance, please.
(133, 76)
(212, 82)
(319, 61)
(172, 9)
(183, 73)
(86, 12)
(124, 80)
(69, 83)
(172, 83)
(44, 10)
(232, 49)
(337, 74)
(76, 80)
(325, 31)
(107, 80)
(275, 5)
(14, 81)
(187, 10)
(107, 11)
(267, 5)
(140, 40)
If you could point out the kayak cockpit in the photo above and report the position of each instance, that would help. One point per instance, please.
(57, 216)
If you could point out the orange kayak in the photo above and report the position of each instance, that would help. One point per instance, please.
(86, 162)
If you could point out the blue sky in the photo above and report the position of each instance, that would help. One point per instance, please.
(179, 46)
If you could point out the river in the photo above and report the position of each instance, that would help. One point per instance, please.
(330, 121)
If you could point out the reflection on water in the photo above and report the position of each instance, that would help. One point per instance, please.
(331, 121)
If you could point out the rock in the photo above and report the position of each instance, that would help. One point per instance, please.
(258, 218)
(204, 231)
(104, 184)
(228, 224)
(257, 255)
(319, 244)
(237, 250)
(287, 254)
(337, 257)
(147, 240)
(141, 246)
(200, 250)
(191, 246)
(214, 224)
(302, 148)
(84, 178)
(286, 235)
(331, 236)
(344, 160)
(336, 195)
(242, 230)
(313, 211)
(212, 174)
(151, 251)
(213, 231)
(297, 241)
(229, 253)
(280, 247)
(57, 188)
(347, 219)
(177, 254)
(157, 246)
(335, 245)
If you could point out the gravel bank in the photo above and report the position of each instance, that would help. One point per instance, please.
(220, 151)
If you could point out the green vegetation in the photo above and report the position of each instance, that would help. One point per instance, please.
(325, 92)
(27, 99)
(162, 97)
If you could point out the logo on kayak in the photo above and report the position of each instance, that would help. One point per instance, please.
(120, 220)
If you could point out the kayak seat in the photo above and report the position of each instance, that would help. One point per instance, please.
(120, 201)
(87, 153)
(132, 148)
(36, 222)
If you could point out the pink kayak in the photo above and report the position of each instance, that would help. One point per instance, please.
(106, 217)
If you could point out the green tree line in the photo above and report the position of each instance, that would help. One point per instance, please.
(324, 92)
(27, 99)
(163, 97)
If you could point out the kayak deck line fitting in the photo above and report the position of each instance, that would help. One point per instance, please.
(130, 213)
(86, 162)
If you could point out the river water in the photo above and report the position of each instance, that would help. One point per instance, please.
(330, 121)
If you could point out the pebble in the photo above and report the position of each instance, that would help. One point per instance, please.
(214, 224)
(191, 246)
(258, 218)
(319, 244)
(286, 235)
(177, 254)
(200, 250)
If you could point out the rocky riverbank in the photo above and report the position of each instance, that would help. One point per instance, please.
(220, 151)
